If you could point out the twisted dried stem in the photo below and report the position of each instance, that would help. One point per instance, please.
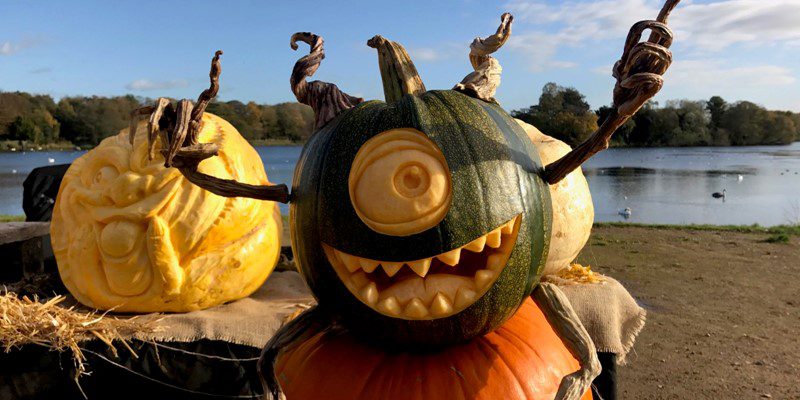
(179, 127)
(484, 80)
(324, 98)
(639, 77)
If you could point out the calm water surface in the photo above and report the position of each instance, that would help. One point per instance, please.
(661, 185)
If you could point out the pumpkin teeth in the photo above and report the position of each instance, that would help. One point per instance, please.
(368, 265)
(476, 246)
(441, 305)
(464, 298)
(426, 295)
(451, 257)
(483, 278)
(421, 267)
(494, 238)
(391, 268)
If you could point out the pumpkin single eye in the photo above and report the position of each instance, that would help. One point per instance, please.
(400, 183)
(105, 174)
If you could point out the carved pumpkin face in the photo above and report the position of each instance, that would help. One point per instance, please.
(132, 235)
(423, 221)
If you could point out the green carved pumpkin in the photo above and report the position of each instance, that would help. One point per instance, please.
(423, 221)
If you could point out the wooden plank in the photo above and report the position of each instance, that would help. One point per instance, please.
(12, 232)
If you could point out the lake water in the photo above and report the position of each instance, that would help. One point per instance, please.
(659, 185)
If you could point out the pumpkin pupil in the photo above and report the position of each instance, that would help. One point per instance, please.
(411, 180)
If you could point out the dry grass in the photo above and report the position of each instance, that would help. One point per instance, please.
(29, 321)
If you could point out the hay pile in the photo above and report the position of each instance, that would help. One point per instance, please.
(27, 320)
(575, 274)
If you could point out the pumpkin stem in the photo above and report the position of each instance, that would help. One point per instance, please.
(400, 76)
(324, 98)
(484, 80)
(639, 77)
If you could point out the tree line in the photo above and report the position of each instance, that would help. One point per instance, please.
(562, 112)
(85, 121)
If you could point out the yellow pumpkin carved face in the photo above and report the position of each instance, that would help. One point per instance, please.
(132, 235)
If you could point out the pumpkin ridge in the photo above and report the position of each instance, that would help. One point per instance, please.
(488, 346)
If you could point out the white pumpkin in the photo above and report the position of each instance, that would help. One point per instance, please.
(573, 212)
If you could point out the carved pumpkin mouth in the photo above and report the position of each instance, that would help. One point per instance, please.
(428, 288)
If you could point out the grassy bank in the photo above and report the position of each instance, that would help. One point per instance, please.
(774, 230)
(11, 218)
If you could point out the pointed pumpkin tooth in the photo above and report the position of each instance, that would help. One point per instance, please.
(350, 262)
(391, 268)
(421, 267)
(441, 305)
(359, 279)
(483, 278)
(493, 238)
(415, 309)
(476, 245)
(451, 257)
(464, 298)
(508, 227)
(494, 261)
(370, 293)
(390, 306)
(368, 265)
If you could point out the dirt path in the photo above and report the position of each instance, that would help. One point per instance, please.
(723, 312)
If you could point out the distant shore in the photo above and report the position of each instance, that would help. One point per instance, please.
(14, 146)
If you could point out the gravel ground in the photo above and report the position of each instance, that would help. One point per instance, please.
(723, 311)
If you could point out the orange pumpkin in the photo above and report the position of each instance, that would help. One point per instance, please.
(523, 359)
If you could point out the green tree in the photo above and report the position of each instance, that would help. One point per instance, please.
(562, 113)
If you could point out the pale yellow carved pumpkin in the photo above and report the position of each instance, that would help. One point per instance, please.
(134, 236)
(573, 211)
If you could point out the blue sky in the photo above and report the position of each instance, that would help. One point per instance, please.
(739, 49)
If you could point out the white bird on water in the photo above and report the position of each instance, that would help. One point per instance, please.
(741, 178)
(51, 160)
(625, 212)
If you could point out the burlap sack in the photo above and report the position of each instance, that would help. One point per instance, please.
(607, 311)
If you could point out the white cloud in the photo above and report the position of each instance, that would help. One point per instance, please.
(8, 48)
(706, 27)
(540, 48)
(717, 74)
(425, 54)
(146, 84)
(570, 24)
(444, 51)
(719, 25)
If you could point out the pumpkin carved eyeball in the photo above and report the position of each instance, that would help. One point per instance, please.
(132, 235)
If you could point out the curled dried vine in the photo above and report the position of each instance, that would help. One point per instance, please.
(324, 98)
(639, 77)
(484, 80)
(180, 126)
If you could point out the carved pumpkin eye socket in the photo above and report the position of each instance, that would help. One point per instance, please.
(400, 183)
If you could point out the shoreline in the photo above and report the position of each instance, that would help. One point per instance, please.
(7, 146)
